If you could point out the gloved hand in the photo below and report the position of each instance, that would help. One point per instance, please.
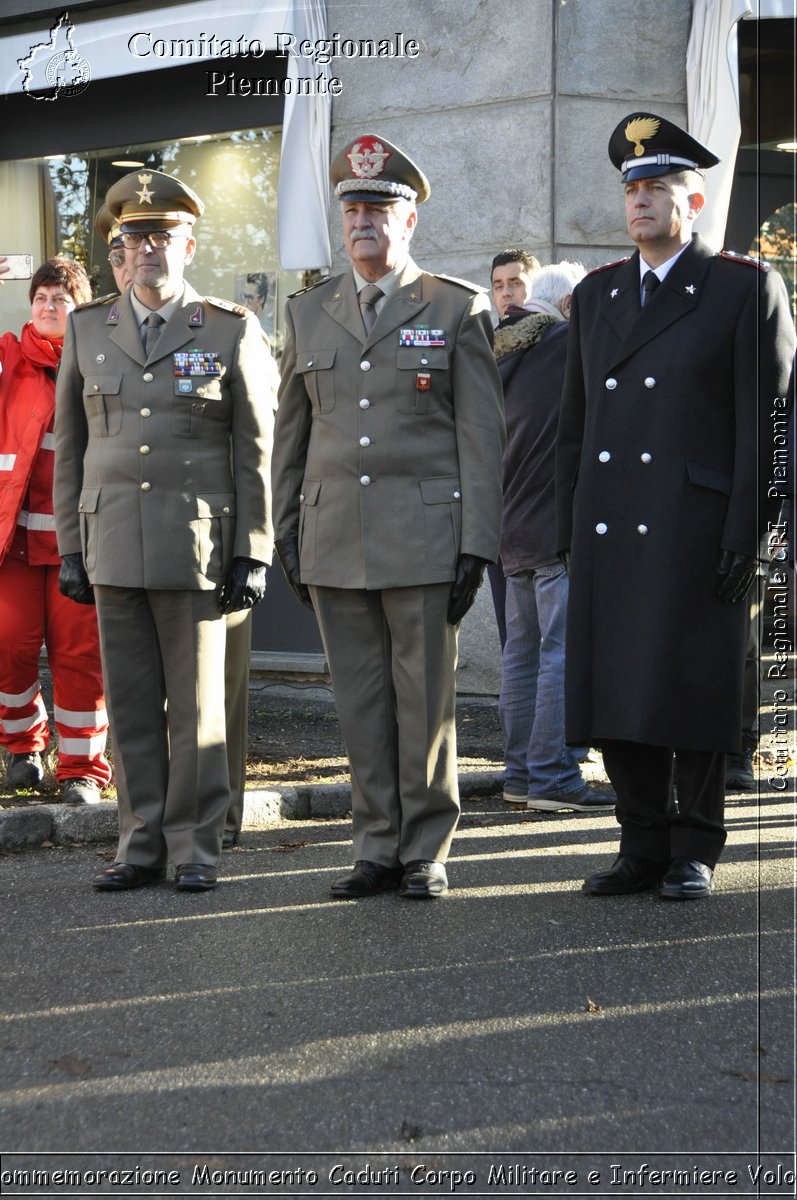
(244, 586)
(288, 554)
(73, 580)
(736, 573)
(467, 581)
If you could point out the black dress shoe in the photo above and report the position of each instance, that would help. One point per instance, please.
(230, 839)
(687, 879)
(423, 880)
(628, 873)
(194, 877)
(367, 879)
(119, 876)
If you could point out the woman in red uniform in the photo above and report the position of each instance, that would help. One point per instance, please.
(32, 610)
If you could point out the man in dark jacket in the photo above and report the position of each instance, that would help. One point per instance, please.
(541, 771)
(660, 444)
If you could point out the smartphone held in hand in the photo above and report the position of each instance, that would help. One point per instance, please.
(16, 266)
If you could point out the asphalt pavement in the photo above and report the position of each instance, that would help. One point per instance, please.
(509, 1038)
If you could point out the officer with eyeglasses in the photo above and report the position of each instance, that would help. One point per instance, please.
(163, 443)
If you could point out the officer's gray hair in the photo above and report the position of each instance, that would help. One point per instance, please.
(556, 282)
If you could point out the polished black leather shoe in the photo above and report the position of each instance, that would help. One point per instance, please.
(687, 879)
(627, 874)
(194, 877)
(230, 839)
(119, 876)
(366, 879)
(423, 881)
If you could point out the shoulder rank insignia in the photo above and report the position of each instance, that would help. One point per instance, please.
(607, 266)
(732, 256)
(227, 305)
(316, 283)
(97, 301)
(464, 283)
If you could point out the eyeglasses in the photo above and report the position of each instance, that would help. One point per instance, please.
(158, 238)
(117, 258)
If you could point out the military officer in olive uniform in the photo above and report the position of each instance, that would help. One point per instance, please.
(387, 488)
(238, 651)
(163, 438)
(674, 358)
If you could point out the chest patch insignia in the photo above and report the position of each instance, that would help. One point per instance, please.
(196, 362)
(422, 336)
(423, 381)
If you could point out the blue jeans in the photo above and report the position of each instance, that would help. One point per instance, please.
(532, 701)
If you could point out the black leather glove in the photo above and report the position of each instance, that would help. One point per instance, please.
(467, 581)
(244, 587)
(736, 573)
(73, 580)
(288, 554)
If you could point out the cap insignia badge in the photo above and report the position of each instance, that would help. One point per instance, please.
(639, 129)
(368, 158)
(690, 288)
(145, 195)
(615, 292)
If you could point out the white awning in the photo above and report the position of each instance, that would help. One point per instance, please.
(241, 31)
(712, 79)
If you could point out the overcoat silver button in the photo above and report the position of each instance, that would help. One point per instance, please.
(601, 527)
(365, 365)
(310, 362)
(650, 382)
(365, 480)
(457, 495)
(146, 412)
(143, 449)
(226, 510)
(148, 377)
(145, 487)
(365, 403)
(365, 441)
(100, 358)
(604, 456)
(611, 384)
(96, 387)
(641, 528)
(301, 497)
(646, 458)
(424, 362)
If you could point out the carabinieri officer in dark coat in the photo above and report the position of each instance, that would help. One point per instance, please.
(675, 358)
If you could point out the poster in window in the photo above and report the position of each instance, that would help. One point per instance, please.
(257, 291)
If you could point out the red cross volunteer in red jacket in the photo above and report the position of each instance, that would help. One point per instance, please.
(32, 609)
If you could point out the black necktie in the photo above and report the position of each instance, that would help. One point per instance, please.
(650, 281)
(367, 300)
(152, 332)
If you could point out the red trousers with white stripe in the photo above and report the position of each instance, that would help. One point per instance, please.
(32, 611)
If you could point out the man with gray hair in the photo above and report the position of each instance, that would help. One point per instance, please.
(541, 772)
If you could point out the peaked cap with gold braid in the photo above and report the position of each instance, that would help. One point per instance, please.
(644, 145)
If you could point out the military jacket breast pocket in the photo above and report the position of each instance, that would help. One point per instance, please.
(316, 368)
(418, 391)
(199, 402)
(103, 404)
